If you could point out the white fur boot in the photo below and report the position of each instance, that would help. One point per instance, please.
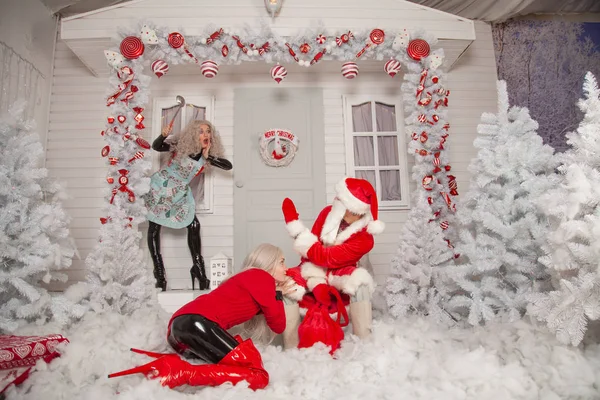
(361, 313)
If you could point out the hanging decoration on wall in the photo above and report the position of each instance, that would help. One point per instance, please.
(278, 147)
(412, 54)
(278, 73)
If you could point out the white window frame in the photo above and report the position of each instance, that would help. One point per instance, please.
(207, 205)
(349, 134)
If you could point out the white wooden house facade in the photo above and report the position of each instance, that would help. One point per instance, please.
(78, 110)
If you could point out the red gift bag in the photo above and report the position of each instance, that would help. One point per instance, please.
(318, 326)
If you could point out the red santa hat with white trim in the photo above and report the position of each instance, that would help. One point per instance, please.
(359, 197)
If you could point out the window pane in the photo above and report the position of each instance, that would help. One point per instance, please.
(362, 119)
(388, 150)
(194, 113)
(197, 186)
(386, 117)
(390, 185)
(368, 175)
(364, 155)
(167, 116)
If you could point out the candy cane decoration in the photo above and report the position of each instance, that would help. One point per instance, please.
(129, 95)
(127, 73)
(421, 85)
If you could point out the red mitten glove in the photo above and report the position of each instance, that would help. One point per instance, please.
(322, 294)
(289, 211)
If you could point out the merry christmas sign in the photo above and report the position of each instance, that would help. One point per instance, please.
(278, 147)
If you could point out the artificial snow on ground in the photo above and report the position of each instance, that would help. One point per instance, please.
(410, 358)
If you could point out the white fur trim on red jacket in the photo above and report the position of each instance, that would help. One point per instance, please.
(313, 274)
(304, 242)
(297, 293)
(295, 227)
(350, 283)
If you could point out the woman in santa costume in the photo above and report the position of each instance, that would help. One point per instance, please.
(198, 330)
(341, 235)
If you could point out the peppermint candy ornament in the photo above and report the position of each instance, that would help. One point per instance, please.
(132, 47)
(209, 69)
(321, 39)
(418, 49)
(278, 73)
(350, 70)
(160, 67)
(392, 67)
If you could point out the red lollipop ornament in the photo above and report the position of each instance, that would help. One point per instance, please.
(176, 40)
(418, 49)
(376, 37)
(132, 47)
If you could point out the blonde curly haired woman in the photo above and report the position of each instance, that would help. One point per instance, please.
(170, 201)
(253, 297)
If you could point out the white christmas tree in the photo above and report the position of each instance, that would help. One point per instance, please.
(572, 250)
(119, 279)
(417, 281)
(501, 228)
(34, 231)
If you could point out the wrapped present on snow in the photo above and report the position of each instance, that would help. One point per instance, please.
(19, 353)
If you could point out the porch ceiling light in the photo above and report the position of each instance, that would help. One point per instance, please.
(273, 7)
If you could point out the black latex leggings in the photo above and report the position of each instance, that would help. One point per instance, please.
(194, 336)
(193, 237)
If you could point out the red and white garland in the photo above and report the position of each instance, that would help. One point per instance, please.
(426, 98)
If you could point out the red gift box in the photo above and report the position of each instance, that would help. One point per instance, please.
(24, 351)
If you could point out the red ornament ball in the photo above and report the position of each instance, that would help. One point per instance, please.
(392, 67)
(350, 70)
(225, 50)
(176, 40)
(132, 47)
(209, 69)
(278, 73)
(105, 151)
(160, 67)
(418, 49)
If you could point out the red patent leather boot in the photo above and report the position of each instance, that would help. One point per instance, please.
(242, 364)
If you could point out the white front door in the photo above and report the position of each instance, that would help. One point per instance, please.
(259, 189)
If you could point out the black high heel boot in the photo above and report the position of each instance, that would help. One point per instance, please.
(154, 247)
(198, 270)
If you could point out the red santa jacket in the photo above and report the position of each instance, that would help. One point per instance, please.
(329, 256)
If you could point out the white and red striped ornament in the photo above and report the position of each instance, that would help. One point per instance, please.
(321, 39)
(350, 70)
(138, 155)
(209, 69)
(160, 68)
(278, 73)
(392, 67)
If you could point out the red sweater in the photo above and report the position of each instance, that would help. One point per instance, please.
(238, 299)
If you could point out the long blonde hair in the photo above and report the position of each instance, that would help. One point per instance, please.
(265, 256)
(186, 143)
